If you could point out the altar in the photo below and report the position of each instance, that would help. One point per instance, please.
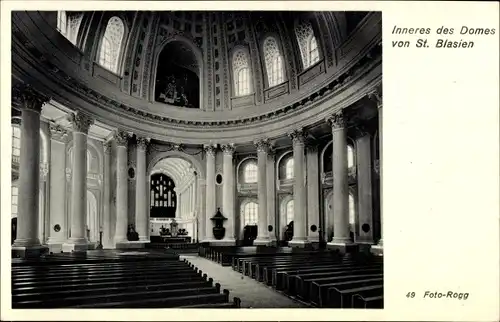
(170, 231)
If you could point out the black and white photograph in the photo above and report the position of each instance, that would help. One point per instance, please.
(196, 159)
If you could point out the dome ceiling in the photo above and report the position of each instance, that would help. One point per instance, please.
(204, 101)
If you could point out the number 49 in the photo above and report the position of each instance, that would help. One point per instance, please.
(410, 295)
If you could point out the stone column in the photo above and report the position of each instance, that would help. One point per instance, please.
(201, 213)
(27, 243)
(262, 232)
(299, 191)
(106, 229)
(121, 187)
(313, 200)
(341, 229)
(376, 96)
(228, 193)
(141, 192)
(210, 192)
(271, 195)
(78, 241)
(364, 179)
(58, 225)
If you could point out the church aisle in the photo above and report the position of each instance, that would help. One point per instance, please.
(252, 293)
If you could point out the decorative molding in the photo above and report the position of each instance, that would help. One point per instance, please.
(108, 146)
(228, 149)
(121, 138)
(337, 120)
(297, 136)
(210, 149)
(58, 133)
(142, 143)
(255, 59)
(81, 122)
(376, 95)
(262, 145)
(29, 98)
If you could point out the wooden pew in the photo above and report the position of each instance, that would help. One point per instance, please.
(284, 275)
(301, 283)
(318, 291)
(374, 302)
(341, 296)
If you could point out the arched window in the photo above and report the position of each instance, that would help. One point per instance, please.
(250, 213)
(307, 43)
(313, 50)
(16, 141)
(15, 193)
(289, 211)
(68, 24)
(250, 173)
(241, 70)
(352, 210)
(289, 169)
(274, 62)
(350, 156)
(109, 54)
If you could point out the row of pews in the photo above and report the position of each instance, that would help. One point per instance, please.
(319, 278)
(113, 279)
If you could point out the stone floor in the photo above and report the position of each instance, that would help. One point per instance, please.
(252, 293)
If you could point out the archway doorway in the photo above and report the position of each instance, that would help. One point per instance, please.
(173, 200)
(178, 76)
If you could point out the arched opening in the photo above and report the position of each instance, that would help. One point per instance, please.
(173, 199)
(178, 76)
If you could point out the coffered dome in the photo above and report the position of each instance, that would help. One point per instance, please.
(200, 73)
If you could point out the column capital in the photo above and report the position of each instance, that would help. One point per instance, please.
(16, 120)
(262, 145)
(337, 120)
(58, 133)
(142, 142)
(107, 147)
(228, 149)
(81, 122)
(376, 95)
(29, 98)
(360, 131)
(121, 138)
(298, 136)
(210, 149)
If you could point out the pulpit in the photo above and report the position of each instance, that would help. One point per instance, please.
(218, 220)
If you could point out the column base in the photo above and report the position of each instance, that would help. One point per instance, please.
(342, 244)
(55, 246)
(144, 239)
(29, 251)
(378, 250)
(75, 247)
(262, 241)
(299, 243)
(131, 245)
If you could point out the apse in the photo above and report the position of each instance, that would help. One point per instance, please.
(177, 76)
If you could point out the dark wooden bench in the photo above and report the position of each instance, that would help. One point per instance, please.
(318, 290)
(303, 282)
(374, 302)
(341, 296)
(282, 276)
